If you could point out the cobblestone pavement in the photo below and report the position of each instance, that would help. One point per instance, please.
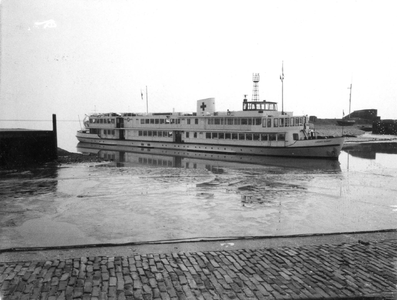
(361, 269)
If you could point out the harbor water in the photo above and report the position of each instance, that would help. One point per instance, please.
(142, 195)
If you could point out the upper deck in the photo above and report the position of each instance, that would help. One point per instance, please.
(254, 114)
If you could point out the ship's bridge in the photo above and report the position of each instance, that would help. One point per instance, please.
(259, 105)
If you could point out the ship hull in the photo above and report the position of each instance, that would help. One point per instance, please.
(311, 148)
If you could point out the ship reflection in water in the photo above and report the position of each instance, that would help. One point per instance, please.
(130, 156)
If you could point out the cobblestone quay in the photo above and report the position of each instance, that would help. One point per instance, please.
(348, 270)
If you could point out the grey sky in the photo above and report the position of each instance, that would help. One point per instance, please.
(73, 57)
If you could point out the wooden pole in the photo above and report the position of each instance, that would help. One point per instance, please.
(55, 137)
(282, 88)
(147, 105)
(350, 100)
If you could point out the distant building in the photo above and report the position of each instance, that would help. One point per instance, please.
(370, 115)
(385, 127)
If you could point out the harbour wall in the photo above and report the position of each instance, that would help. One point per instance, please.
(20, 147)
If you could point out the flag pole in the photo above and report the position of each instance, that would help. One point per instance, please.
(350, 99)
(282, 88)
(147, 105)
(342, 120)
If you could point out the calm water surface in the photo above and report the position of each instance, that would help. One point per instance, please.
(155, 195)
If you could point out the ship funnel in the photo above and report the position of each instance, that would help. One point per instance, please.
(205, 106)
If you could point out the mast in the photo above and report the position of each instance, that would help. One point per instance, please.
(282, 88)
(255, 89)
(147, 105)
(350, 99)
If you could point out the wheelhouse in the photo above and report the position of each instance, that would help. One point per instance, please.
(259, 105)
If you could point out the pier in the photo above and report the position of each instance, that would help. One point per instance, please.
(25, 146)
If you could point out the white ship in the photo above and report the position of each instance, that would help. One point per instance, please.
(258, 129)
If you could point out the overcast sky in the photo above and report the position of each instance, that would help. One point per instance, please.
(79, 56)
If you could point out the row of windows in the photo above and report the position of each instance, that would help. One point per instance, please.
(109, 156)
(188, 121)
(160, 121)
(211, 121)
(95, 131)
(106, 131)
(109, 131)
(285, 122)
(155, 162)
(244, 136)
(265, 122)
(103, 121)
(235, 121)
(259, 106)
(220, 135)
(155, 133)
